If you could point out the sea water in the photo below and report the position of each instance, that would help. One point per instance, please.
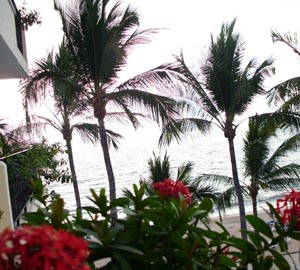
(209, 153)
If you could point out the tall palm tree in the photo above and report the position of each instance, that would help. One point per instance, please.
(224, 91)
(100, 36)
(264, 167)
(68, 105)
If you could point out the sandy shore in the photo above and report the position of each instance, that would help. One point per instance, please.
(232, 224)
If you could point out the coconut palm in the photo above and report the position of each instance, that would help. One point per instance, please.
(68, 105)
(265, 168)
(100, 36)
(224, 91)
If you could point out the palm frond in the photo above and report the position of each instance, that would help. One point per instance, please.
(256, 147)
(285, 91)
(283, 120)
(195, 87)
(287, 39)
(39, 122)
(113, 138)
(159, 168)
(290, 145)
(226, 199)
(122, 117)
(283, 184)
(184, 172)
(163, 77)
(251, 85)
(215, 180)
(176, 128)
(159, 108)
(287, 171)
(203, 191)
(88, 132)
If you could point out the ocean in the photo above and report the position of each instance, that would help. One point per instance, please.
(209, 153)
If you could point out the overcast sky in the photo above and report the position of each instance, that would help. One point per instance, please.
(188, 25)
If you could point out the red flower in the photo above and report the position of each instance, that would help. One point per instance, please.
(289, 207)
(42, 248)
(171, 189)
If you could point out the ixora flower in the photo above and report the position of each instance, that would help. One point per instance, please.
(171, 189)
(289, 207)
(42, 248)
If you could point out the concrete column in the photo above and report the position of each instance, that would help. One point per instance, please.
(7, 219)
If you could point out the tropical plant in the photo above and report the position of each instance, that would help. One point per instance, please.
(264, 166)
(41, 248)
(166, 234)
(68, 105)
(28, 161)
(287, 93)
(216, 187)
(28, 17)
(100, 35)
(224, 91)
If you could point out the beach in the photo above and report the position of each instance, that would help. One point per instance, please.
(232, 223)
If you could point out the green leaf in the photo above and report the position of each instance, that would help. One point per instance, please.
(280, 261)
(121, 202)
(240, 244)
(295, 235)
(260, 226)
(206, 205)
(268, 263)
(122, 261)
(127, 249)
(129, 212)
(225, 260)
(91, 209)
(256, 239)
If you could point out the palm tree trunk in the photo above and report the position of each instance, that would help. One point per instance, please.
(238, 189)
(74, 177)
(109, 169)
(254, 205)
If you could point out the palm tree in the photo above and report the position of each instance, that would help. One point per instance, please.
(200, 186)
(286, 93)
(100, 39)
(67, 103)
(224, 92)
(265, 168)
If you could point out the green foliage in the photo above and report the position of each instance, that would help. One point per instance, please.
(28, 17)
(165, 234)
(30, 161)
(159, 168)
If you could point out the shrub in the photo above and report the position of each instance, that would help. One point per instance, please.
(155, 233)
(41, 248)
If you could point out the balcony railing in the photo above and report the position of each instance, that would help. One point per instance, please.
(20, 192)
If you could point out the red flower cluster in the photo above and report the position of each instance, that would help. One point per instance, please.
(289, 207)
(42, 248)
(171, 189)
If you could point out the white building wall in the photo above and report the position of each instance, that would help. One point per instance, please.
(13, 63)
(7, 219)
